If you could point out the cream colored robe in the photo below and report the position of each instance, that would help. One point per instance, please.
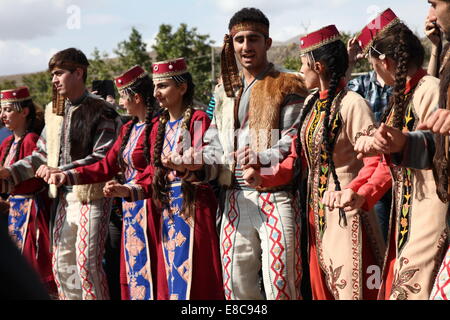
(340, 248)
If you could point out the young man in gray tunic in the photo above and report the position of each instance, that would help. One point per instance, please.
(80, 128)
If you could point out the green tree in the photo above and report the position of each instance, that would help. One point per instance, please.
(133, 52)
(40, 85)
(8, 84)
(292, 63)
(101, 67)
(195, 48)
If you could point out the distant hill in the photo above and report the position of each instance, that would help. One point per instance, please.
(278, 54)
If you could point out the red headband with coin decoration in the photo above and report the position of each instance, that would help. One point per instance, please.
(250, 26)
(164, 70)
(15, 95)
(129, 77)
(230, 72)
(381, 23)
(319, 38)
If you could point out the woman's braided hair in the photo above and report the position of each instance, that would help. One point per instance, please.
(143, 87)
(160, 182)
(401, 45)
(335, 58)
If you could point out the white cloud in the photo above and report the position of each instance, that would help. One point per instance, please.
(269, 7)
(101, 19)
(29, 19)
(18, 57)
(151, 42)
(339, 3)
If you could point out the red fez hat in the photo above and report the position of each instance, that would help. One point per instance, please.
(381, 23)
(319, 38)
(167, 69)
(15, 95)
(129, 77)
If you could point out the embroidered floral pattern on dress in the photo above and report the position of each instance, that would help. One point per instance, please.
(135, 239)
(335, 274)
(324, 172)
(400, 287)
(404, 217)
(177, 231)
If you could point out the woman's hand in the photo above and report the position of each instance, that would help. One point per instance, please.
(57, 178)
(45, 172)
(346, 199)
(364, 147)
(114, 189)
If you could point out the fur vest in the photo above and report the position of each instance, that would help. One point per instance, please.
(83, 124)
(266, 99)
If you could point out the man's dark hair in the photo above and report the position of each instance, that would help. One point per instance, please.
(248, 15)
(70, 59)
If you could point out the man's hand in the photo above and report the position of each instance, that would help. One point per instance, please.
(252, 177)
(45, 172)
(57, 178)
(433, 32)
(438, 122)
(4, 173)
(354, 51)
(389, 140)
(247, 158)
(113, 189)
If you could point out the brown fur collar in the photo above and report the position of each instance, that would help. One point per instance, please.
(266, 99)
(84, 125)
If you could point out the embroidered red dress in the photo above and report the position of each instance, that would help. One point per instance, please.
(137, 253)
(29, 214)
(186, 269)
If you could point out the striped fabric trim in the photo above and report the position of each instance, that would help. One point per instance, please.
(71, 177)
(240, 182)
(136, 193)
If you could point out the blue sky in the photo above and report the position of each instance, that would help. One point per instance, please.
(32, 30)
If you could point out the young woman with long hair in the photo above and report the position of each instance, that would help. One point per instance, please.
(343, 245)
(29, 213)
(182, 209)
(418, 234)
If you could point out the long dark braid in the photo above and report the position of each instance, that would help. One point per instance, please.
(188, 188)
(160, 179)
(150, 102)
(398, 43)
(298, 144)
(144, 87)
(335, 58)
(334, 83)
